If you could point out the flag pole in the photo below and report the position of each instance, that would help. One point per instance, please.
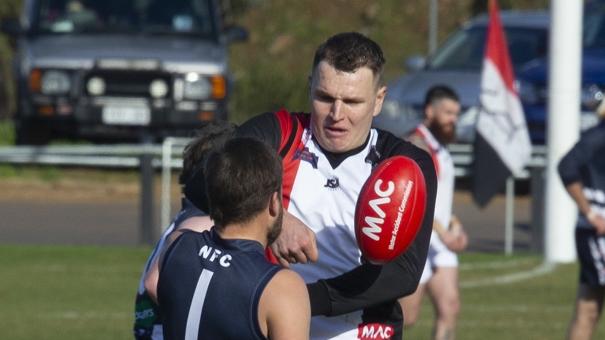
(509, 218)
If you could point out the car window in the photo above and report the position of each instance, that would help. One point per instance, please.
(465, 49)
(128, 16)
(594, 25)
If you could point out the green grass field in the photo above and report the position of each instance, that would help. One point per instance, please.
(63, 292)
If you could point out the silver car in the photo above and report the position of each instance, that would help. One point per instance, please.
(458, 62)
(119, 68)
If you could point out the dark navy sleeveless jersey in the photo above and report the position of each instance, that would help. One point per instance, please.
(209, 288)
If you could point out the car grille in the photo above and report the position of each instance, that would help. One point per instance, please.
(126, 83)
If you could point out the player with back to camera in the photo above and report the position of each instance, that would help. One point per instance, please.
(582, 171)
(218, 284)
(440, 275)
(327, 155)
(148, 321)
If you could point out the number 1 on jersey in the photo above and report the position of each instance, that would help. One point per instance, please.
(197, 302)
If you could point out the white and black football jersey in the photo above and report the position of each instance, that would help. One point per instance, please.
(321, 189)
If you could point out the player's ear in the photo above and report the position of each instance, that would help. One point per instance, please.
(275, 204)
(429, 112)
(380, 95)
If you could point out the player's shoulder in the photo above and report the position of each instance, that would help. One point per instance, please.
(594, 138)
(389, 145)
(284, 289)
(285, 284)
(285, 306)
(285, 278)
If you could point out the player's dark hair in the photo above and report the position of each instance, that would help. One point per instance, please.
(439, 92)
(212, 135)
(350, 51)
(240, 179)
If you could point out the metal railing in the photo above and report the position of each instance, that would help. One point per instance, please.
(168, 156)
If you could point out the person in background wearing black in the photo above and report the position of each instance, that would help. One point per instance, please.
(582, 171)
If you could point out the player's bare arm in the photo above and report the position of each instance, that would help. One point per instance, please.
(296, 243)
(454, 237)
(284, 308)
(575, 190)
(197, 223)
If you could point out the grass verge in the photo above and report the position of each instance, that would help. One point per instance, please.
(69, 292)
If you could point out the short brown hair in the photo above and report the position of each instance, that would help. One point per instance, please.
(240, 179)
(212, 135)
(350, 51)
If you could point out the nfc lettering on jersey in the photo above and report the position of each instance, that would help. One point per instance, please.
(373, 228)
(371, 331)
(210, 254)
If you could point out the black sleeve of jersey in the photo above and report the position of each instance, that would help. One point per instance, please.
(368, 284)
(590, 143)
(264, 127)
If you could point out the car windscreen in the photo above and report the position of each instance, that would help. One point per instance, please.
(124, 16)
(465, 49)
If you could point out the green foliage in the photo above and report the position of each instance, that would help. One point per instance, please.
(7, 132)
(45, 173)
(272, 68)
(8, 9)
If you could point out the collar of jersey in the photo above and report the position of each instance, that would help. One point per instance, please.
(335, 158)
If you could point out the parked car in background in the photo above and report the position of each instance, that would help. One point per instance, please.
(458, 62)
(119, 69)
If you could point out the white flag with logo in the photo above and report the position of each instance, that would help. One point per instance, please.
(502, 146)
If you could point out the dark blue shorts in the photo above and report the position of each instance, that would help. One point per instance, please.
(591, 254)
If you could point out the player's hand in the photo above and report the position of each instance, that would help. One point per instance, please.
(455, 239)
(296, 242)
(598, 222)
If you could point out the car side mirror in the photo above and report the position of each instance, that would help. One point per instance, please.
(415, 63)
(235, 34)
(11, 27)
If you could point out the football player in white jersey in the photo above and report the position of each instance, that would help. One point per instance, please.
(327, 156)
(440, 275)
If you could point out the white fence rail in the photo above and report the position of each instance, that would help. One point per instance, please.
(168, 156)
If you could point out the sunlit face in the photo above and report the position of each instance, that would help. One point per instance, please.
(343, 106)
(442, 117)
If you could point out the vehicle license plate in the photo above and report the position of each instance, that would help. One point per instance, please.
(126, 115)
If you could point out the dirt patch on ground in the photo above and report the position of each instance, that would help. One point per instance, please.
(74, 190)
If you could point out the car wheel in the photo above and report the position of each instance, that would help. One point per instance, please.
(32, 133)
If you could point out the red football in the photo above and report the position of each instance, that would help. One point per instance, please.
(390, 209)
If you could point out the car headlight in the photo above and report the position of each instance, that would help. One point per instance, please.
(158, 88)
(95, 86)
(591, 96)
(55, 82)
(196, 87)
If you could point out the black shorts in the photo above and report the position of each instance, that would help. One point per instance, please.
(591, 254)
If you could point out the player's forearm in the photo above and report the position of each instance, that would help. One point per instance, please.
(439, 228)
(575, 190)
(368, 284)
(151, 281)
(365, 286)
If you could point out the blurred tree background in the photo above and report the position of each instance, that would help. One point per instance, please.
(8, 8)
(271, 69)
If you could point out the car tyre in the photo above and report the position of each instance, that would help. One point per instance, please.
(32, 133)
